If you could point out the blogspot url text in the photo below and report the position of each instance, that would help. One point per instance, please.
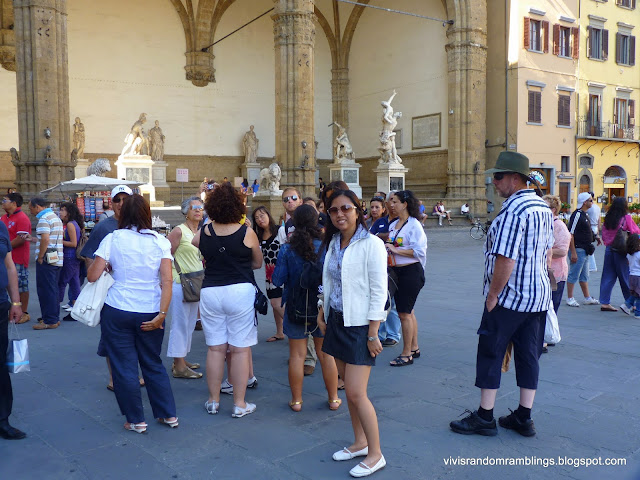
(533, 461)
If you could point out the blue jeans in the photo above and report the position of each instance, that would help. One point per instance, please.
(47, 288)
(615, 267)
(127, 345)
(391, 328)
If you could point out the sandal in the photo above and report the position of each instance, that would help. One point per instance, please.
(136, 427)
(415, 353)
(186, 373)
(192, 366)
(274, 338)
(337, 402)
(608, 308)
(400, 361)
(171, 423)
(295, 404)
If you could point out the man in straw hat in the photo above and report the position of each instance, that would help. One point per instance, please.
(518, 295)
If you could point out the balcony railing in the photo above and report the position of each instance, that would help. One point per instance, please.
(608, 130)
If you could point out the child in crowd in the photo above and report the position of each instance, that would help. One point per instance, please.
(633, 255)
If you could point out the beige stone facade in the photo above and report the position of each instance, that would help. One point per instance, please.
(290, 73)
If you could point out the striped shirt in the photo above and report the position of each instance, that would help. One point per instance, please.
(49, 223)
(522, 231)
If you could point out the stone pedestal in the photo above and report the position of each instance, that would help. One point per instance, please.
(391, 176)
(138, 168)
(349, 173)
(251, 171)
(81, 168)
(159, 174)
(271, 200)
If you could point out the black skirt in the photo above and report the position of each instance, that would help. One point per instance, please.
(348, 344)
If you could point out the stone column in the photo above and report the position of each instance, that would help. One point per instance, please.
(43, 94)
(467, 58)
(7, 36)
(294, 34)
(340, 97)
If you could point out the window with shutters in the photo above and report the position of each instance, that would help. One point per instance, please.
(535, 35)
(597, 43)
(564, 42)
(564, 163)
(564, 110)
(625, 49)
(535, 107)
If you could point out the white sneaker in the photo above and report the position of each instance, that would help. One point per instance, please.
(241, 412)
(625, 309)
(211, 407)
(572, 302)
(252, 382)
(591, 301)
(226, 387)
(68, 307)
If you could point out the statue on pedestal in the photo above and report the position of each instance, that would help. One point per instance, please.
(270, 178)
(387, 149)
(250, 146)
(136, 142)
(156, 143)
(342, 146)
(78, 137)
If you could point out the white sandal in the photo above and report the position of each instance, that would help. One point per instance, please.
(211, 407)
(136, 427)
(172, 423)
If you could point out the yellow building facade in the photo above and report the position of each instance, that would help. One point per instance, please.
(608, 138)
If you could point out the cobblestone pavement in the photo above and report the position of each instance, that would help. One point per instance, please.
(586, 406)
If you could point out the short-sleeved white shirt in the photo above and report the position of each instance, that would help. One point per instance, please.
(410, 236)
(135, 260)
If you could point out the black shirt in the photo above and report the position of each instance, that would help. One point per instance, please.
(5, 248)
(580, 228)
(231, 266)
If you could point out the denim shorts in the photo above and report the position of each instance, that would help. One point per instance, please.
(579, 271)
(23, 278)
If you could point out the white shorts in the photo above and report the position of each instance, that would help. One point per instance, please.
(228, 315)
(183, 320)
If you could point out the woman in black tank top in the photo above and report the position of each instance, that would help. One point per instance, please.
(231, 252)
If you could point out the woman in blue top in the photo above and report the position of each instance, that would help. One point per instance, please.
(303, 247)
(70, 273)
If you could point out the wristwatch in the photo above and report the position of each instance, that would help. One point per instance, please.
(372, 339)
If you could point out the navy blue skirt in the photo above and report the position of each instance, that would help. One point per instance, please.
(348, 344)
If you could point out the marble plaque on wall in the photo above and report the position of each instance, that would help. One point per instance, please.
(426, 131)
(350, 176)
(396, 184)
(138, 174)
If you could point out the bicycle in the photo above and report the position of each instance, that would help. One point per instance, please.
(479, 230)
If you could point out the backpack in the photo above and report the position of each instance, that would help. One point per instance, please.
(302, 305)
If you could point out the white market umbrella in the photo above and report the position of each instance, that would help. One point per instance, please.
(91, 183)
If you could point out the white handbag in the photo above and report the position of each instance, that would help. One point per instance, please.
(551, 328)
(89, 303)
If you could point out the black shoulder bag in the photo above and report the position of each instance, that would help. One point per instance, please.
(261, 303)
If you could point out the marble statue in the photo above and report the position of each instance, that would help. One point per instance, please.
(342, 146)
(387, 149)
(136, 141)
(250, 145)
(78, 137)
(156, 143)
(99, 167)
(270, 178)
(15, 158)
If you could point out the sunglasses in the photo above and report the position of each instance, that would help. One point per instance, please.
(499, 176)
(377, 199)
(291, 197)
(343, 208)
(197, 207)
(116, 199)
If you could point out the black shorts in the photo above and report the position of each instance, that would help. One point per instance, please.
(497, 328)
(275, 292)
(410, 282)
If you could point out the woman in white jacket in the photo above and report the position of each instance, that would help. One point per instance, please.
(355, 291)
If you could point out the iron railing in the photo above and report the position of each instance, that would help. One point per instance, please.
(608, 130)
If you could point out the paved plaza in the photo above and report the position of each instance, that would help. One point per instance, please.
(585, 409)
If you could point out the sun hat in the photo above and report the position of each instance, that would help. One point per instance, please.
(511, 162)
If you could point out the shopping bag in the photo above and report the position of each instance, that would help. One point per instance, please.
(18, 356)
(551, 329)
(91, 300)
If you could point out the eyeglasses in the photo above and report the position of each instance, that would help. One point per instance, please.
(291, 197)
(499, 176)
(197, 207)
(377, 199)
(343, 208)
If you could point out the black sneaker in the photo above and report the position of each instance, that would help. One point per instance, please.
(513, 422)
(389, 342)
(68, 318)
(472, 423)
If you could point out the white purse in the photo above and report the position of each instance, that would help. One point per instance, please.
(89, 303)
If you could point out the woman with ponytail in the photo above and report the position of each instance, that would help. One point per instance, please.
(297, 257)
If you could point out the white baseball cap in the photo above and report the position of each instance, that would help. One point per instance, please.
(583, 197)
(121, 189)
